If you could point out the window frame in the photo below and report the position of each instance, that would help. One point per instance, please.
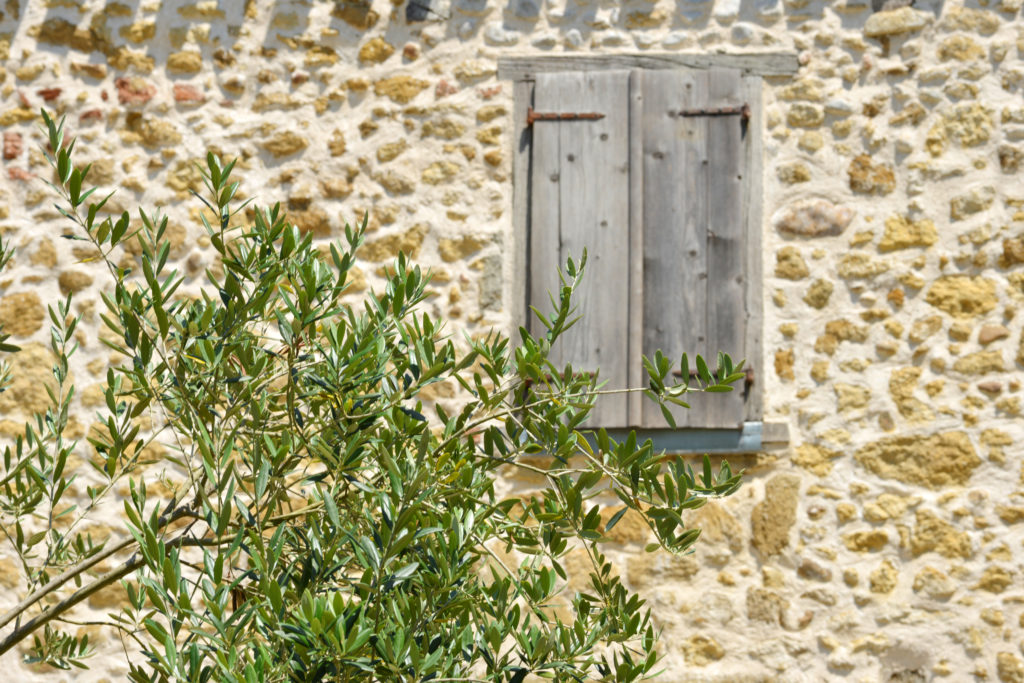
(753, 433)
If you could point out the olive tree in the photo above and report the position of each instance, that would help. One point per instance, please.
(307, 518)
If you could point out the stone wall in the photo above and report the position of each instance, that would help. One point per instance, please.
(884, 543)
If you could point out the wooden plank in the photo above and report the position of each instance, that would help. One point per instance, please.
(527, 67)
(636, 247)
(752, 199)
(522, 139)
(726, 310)
(675, 218)
(582, 168)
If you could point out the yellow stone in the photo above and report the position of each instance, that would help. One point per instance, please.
(851, 396)
(902, 384)
(387, 247)
(932, 534)
(995, 579)
(489, 136)
(934, 584)
(139, 32)
(1009, 668)
(903, 233)
(701, 650)
(439, 172)
(790, 264)
(784, 364)
(860, 266)
(395, 183)
(391, 150)
(472, 71)
(815, 459)
(802, 115)
(869, 540)
(490, 112)
(934, 461)
(773, 517)
(446, 129)
(21, 314)
(285, 144)
(961, 48)
(963, 296)
(73, 281)
(818, 294)
(375, 51)
(806, 89)
(458, 249)
(184, 62)
(31, 372)
(400, 89)
(793, 173)
(980, 363)
(884, 577)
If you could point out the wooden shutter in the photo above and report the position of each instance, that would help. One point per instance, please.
(693, 232)
(668, 208)
(580, 199)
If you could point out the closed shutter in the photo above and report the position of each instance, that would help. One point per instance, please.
(661, 202)
(693, 232)
(580, 199)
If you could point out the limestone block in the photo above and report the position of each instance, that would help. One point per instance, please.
(813, 218)
(934, 584)
(933, 461)
(21, 314)
(974, 201)
(870, 178)
(815, 459)
(963, 296)
(375, 51)
(896, 22)
(790, 264)
(903, 233)
(818, 294)
(774, 516)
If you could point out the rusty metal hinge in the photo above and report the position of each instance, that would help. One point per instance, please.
(743, 111)
(533, 116)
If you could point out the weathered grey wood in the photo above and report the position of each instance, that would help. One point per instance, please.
(636, 246)
(521, 139)
(726, 307)
(527, 67)
(675, 220)
(583, 170)
(751, 88)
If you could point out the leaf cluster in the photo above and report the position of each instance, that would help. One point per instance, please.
(323, 522)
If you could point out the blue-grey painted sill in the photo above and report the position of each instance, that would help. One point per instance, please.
(753, 436)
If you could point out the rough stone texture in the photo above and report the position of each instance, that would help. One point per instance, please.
(934, 462)
(790, 264)
(774, 516)
(963, 296)
(818, 294)
(871, 178)
(903, 233)
(932, 534)
(895, 22)
(21, 314)
(913, 266)
(813, 218)
(31, 373)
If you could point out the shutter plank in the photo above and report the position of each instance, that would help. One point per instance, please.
(726, 315)
(752, 198)
(675, 216)
(582, 172)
